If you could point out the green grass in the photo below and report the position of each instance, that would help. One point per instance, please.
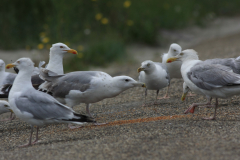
(91, 23)
(97, 54)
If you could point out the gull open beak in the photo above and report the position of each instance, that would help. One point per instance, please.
(11, 65)
(140, 69)
(72, 51)
(183, 96)
(172, 59)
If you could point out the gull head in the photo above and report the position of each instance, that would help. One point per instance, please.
(22, 64)
(174, 49)
(188, 54)
(125, 82)
(186, 89)
(61, 48)
(4, 107)
(146, 66)
(2, 65)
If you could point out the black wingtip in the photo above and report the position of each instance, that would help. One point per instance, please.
(5, 89)
(83, 118)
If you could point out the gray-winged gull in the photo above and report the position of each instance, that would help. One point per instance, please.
(173, 68)
(35, 107)
(57, 52)
(86, 86)
(212, 80)
(154, 75)
(4, 108)
(233, 63)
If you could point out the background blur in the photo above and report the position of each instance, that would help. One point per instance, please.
(100, 29)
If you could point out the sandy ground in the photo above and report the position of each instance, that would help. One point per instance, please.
(159, 131)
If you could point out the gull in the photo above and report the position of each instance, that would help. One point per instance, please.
(154, 75)
(57, 52)
(86, 86)
(35, 107)
(36, 69)
(173, 68)
(4, 108)
(213, 80)
(233, 63)
(5, 78)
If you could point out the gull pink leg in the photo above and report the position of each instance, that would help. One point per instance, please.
(30, 139)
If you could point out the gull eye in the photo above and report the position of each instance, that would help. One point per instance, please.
(148, 64)
(126, 80)
(5, 105)
(61, 46)
(181, 54)
(174, 50)
(18, 62)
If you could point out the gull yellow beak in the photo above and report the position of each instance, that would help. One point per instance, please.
(11, 110)
(183, 96)
(169, 60)
(144, 85)
(11, 65)
(72, 51)
(140, 69)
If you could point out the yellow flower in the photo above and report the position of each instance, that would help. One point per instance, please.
(80, 55)
(127, 4)
(80, 48)
(129, 22)
(104, 21)
(40, 46)
(27, 47)
(98, 16)
(45, 40)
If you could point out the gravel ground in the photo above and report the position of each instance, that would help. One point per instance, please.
(136, 131)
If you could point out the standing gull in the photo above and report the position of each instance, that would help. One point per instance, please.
(57, 52)
(233, 63)
(154, 75)
(212, 80)
(35, 107)
(173, 68)
(86, 86)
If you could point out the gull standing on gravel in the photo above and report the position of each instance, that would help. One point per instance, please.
(4, 108)
(35, 107)
(212, 80)
(154, 75)
(86, 86)
(173, 68)
(233, 63)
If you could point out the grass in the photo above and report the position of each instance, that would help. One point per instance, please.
(90, 23)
